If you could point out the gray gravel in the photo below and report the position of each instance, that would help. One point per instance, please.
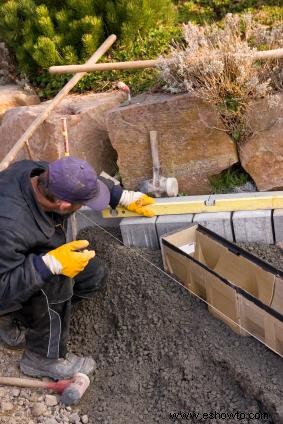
(160, 352)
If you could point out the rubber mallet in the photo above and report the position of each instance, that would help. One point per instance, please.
(71, 390)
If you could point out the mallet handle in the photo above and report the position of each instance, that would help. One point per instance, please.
(155, 157)
(22, 382)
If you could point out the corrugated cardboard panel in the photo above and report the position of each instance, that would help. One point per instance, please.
(208, 251)
(252, 318)
(278, 330)
(277, 302)
(177, 264)
(238, 271)
(247, 275)
(223, 301)
(265, 282)
(240, 289)
(197, 279)
(181, 237)
(261, 324)
(232, 266)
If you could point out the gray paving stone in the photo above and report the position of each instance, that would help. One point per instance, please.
(219, 222)
(139, 232)
(278, 224)
(253, 226)
(168, 223)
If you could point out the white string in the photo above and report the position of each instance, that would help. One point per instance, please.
(181, 285)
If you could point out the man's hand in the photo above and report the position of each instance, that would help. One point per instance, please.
(137, 202)
(66, 259)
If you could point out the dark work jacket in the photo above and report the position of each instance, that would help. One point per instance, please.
(26, 230)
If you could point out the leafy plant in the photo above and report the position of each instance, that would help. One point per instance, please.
(228, 179)
(155, 44)
(208, 11)
(44, 33)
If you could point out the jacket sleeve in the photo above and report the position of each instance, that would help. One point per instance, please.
(115, 191)
(18, 276)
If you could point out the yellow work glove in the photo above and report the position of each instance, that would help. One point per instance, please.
(66, 259)
(137, 202)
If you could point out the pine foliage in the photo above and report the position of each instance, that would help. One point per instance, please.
(44, 33)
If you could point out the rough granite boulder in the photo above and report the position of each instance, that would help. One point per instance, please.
(88, 137)
(192, 142)
(262, 155)
(12, 96)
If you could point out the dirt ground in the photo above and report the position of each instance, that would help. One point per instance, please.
(161, 357)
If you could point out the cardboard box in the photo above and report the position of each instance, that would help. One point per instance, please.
(240, 289)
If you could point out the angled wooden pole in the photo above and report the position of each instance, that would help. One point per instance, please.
(140, 64)
(57, 99)
(72, 219)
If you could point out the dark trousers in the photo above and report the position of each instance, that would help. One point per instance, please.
(47, 314)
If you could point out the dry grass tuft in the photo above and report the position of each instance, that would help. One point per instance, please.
(217, 65)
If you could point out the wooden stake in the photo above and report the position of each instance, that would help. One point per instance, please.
(28, 149)
(65, 135)
(140, 64)
(57, 99)
(72, 220)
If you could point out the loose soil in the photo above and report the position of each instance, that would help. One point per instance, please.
(159, 351)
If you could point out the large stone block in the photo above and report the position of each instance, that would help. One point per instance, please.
(262, 154)
(88, 137)
(12, 96)
(192, 143)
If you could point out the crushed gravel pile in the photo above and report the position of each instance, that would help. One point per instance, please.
(161, 357)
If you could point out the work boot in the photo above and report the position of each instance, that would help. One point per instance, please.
(12, 333)
(36, 365)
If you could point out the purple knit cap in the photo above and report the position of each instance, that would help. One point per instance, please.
(74, 180)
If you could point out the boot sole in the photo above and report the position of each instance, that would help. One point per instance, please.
(35, 373)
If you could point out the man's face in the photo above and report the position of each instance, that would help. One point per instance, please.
(51, 204)
(61, 207)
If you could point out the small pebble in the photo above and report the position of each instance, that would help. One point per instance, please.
(6, 406)
(15, 392)
(51, 400)
(38, 409)
(51, 420)
(74, 419)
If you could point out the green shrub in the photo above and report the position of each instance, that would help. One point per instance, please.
(208, 11)
(154, 44)
(44, 33)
